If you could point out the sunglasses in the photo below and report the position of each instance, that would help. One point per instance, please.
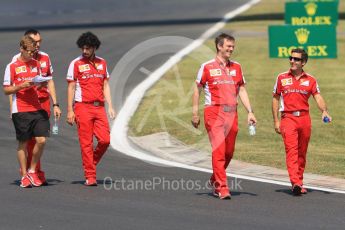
(295, 59)
(30, 51)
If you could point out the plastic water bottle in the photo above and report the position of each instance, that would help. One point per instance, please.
(55, 128)
(326, 120)
(251, 129)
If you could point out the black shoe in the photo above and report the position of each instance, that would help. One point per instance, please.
(296, 190)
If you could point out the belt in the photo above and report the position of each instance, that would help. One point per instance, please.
(296, 113)
(94, 103)
(42, 99)
(227, 108)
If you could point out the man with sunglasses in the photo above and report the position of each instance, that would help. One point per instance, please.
(293, 89)
(29, 119)
(44, 93)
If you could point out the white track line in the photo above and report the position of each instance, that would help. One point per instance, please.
(119, 139)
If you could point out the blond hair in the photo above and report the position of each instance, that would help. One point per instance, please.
(26, 41)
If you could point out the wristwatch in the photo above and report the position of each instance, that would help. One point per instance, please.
(56, 104)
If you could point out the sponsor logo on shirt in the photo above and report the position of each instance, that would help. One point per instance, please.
(20, 69)
(305, 83)
(83, 68)
(286, 81)
(215, 72)
(43, 64)
(24, 78)
(232, 73)
(86, 76)
(221, 82)
(99, 66)
(34, 69)
(296, 91)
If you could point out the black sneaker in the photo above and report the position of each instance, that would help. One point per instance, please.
(296, 190)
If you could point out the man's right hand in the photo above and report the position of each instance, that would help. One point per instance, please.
(277, 127)
(70, 117)
(196, 121)
(26, 84)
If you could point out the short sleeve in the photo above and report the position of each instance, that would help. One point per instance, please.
(71, 72)
(201, 77)
(277, 88)
(315, 88)
(8, 76)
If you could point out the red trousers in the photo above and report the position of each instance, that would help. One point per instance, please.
(296, 135)
(222, 130)
(92, 121)
(45, 104)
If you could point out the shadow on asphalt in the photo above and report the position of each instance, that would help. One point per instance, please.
(99, 182)
(165, 22)
(51, 182)
(289, 192)
(210, 194)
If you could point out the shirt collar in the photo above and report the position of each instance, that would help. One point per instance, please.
(221, 63)
(302, 75)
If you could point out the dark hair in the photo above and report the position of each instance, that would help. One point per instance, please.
(304, 54)
(219, 40)
(31, 31)
(88, 39)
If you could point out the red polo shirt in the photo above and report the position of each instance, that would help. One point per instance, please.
(221, 84)
(17, 72)
(294, 94)
(89, 78)
(46, 70)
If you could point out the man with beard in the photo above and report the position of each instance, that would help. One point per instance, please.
(88, 89)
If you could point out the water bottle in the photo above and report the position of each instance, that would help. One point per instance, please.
(55, 129)
(326, 120)
(251, 129)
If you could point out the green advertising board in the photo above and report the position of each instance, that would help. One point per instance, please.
(311, 13)
(318, 41)
(315, 0)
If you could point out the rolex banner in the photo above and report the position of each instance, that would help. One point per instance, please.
(318, 41)
(311, 13)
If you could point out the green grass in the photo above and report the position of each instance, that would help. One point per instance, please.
(167, 106)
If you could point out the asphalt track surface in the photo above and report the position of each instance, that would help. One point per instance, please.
(173, 198)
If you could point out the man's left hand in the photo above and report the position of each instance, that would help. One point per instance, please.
(112, 113)
(195, 121)
(57, 111)
(251, 118)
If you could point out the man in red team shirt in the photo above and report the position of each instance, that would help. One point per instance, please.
(293, 89)
(43, 93)
(88, 85)
(222, 80)
(28, 117)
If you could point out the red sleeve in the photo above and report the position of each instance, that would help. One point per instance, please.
(202, 75)
(242, 81)
(277, 87)
(315, 88)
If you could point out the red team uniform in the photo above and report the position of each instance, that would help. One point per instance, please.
(89, 110)
(221, 87)
(16, 73)
(46, 69)
(295, 123)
